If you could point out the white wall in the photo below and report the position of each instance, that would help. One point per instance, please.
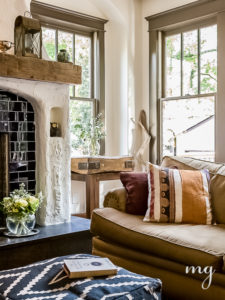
(152, 7)
(10, 9)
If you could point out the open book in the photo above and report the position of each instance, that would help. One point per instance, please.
(88, 267)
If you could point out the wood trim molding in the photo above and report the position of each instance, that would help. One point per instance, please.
(48, 13)
(185, 14)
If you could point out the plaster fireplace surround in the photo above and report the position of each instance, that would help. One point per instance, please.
(50, 104)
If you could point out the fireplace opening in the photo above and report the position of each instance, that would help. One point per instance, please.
(17, 144)
(4, 169)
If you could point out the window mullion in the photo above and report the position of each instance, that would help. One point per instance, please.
(181, 65)
(199, 62)
(74, 53)
(56, 44)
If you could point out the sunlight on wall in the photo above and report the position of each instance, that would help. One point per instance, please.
(10, 9)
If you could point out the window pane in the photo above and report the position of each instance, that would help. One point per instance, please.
(81, 113)
(83, 58)
(173, 65)
(208, 38)
(48, 39)
(65, 41)
(71, 90)
(190, 62)
(188, 127)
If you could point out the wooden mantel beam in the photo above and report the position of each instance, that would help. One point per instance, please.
(39, 69)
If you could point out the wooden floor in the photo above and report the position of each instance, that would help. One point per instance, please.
(52, 241)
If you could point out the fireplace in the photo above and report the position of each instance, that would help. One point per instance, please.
(28, 153)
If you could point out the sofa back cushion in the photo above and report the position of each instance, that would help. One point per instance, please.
(178, 196)
(188, 163)
(217, 189)
(217, 183)
(136, 185)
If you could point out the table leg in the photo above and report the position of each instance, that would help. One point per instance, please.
(92, 194)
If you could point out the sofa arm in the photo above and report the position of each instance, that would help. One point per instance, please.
(116, 198)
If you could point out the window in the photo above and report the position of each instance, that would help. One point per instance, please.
(82, 104)
(83, 38)
(190, 86)
(201, 83)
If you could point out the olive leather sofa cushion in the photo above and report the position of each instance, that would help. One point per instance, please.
(201, 245)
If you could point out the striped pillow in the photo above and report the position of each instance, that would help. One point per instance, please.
(178, 196)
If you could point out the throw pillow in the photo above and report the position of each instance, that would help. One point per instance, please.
(178, 196)
(136, 185)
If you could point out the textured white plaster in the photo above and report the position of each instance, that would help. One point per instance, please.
(52, 154)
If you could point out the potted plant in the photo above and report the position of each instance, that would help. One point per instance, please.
(20, 210)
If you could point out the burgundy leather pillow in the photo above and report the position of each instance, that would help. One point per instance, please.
(136, 185)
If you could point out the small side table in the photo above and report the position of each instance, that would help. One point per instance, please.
(92, 187)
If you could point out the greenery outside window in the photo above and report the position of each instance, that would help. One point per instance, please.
(189, 88)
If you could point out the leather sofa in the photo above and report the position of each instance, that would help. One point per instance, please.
(164, 250)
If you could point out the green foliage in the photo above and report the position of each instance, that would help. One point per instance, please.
(208, 71)
(88, 133)
(79, 110)
(50, 49)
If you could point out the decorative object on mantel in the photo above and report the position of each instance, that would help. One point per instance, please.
(5, 46)
(88, 135)
(28, 37)
(54, 129)
(63, 56)
(99, 164)
(38, 69)
(20, 210)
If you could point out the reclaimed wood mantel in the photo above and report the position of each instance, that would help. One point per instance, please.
(38, 69)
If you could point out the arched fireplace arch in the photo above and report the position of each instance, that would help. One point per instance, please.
(52, 154)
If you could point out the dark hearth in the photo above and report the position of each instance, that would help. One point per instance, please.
(17, 123)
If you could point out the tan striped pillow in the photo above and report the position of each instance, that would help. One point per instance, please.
(178, 196)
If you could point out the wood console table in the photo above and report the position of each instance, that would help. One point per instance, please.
(92, 187)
